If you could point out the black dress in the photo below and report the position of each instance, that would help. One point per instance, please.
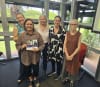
(56, 44)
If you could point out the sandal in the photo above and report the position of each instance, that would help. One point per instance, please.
(65, 80)
(71, 83)
(31, 83)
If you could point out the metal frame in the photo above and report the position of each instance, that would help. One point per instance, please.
(5, 28)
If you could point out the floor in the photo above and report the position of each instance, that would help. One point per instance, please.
(9, 73)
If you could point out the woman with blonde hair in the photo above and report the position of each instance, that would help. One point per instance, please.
(71, 49)
(43, 29)
(17, 30)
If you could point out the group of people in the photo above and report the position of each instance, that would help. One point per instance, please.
(48, 43)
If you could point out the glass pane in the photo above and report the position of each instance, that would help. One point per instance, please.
(88, 20)
(56, 0)
(29, 12)
(32, 12)
(92, 39)
(11, 26)
(3, 49)
(52, 14)
(14, 52)
(8, 10)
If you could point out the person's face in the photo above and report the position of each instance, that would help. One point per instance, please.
(57, 21)
(73, 25)
(29, 25)
(20, 18)
(43, 20)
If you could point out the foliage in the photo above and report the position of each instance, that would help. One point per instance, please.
(92, 39)
(32, 14)
(51, 15)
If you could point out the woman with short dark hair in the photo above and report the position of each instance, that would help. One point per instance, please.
(30, 43)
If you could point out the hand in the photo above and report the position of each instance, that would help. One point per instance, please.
(69, 58)
(15, 38)
(35, 49)
(24, 46)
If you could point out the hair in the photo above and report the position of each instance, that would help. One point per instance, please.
(75, 20)
(57, 17)
(47, 26)
(20, 14)
(43, 16)
(28, 19)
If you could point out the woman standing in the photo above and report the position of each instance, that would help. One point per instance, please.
(30, 43)
(71, 49)
(56, 36)
(43, 29)
(18, 29)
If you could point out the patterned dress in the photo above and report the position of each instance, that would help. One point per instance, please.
(72, 67)
(56, 44)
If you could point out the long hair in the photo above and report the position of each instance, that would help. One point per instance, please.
(47, 25)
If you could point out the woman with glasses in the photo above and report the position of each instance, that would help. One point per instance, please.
(71, 49)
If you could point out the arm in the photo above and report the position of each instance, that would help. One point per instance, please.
(65, 48)
(15, 34)
(41, 43)
(19, 44)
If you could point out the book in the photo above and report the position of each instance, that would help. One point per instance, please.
(31, 44)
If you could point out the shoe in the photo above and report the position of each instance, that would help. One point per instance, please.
(19, 81)
(51, 74)
(30, 84)
(66, 80)
(37, 84)
(57, 78)
(71, 83)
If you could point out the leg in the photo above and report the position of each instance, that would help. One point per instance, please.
(53, 65)
(35, 74)
(44, 55)
(59, 67)
(25, 73)
(53, 68)
(35, 70)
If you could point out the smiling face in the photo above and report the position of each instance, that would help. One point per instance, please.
(43, 20)
(57, 21)
(29, 25)
(73, 24)
(20, 18)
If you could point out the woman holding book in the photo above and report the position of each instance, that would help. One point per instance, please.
(30, 43)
